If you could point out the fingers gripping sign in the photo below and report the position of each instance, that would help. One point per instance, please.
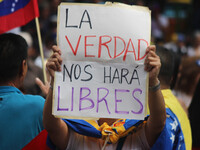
(55, 61)
(152, 64)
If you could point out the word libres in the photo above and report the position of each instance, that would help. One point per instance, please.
(101, 102)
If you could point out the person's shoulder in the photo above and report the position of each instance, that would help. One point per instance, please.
(35, 103)
(34, 99)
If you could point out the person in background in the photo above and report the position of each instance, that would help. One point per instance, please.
(20, 115)
(194, 49)
(189, 77)
(177, 44)
(180, 127)
(29, 86)
(159, 24)
(176, 77)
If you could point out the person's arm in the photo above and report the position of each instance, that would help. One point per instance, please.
(56, 127)
(157, 118)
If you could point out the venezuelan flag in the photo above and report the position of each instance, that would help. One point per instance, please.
(88, 128)
(16, 13)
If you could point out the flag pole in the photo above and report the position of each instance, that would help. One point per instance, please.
(41, 48)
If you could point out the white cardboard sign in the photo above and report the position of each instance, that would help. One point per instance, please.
(103, 50)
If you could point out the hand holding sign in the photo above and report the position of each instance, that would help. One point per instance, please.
(54, 62)
(152, 65)
(152, 62)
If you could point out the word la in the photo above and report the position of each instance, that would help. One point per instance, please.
(83, 20)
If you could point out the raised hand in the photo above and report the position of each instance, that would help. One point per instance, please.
(152, 65)
(54, 62)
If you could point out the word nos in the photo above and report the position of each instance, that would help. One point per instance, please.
(104, 41)
(100, 99)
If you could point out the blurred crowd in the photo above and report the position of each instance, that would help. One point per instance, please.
(175, 25)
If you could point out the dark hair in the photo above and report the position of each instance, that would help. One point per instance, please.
(167, 64)
(13, 50)
(177, 63)
(190, 72)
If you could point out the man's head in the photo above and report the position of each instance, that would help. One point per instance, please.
(13, 55)
(169, 68)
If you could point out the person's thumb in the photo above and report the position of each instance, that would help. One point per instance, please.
(41, 85)
(39, 82)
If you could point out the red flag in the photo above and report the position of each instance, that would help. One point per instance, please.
(16, 13)
(38, 143)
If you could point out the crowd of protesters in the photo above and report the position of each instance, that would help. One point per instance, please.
(177, 33)
(183, 40)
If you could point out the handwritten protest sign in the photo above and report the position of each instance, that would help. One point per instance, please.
(103, 50)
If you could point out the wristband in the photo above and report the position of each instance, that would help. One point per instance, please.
(155, 88)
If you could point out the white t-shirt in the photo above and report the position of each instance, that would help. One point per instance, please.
(134, 141)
